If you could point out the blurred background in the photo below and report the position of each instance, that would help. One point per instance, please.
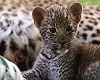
(90, 1)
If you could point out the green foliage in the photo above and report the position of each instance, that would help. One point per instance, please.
(90, 1)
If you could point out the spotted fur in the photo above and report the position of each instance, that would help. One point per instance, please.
(89, 27)
(27, 5)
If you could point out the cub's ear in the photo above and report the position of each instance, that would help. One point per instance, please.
(38, 15)
(74, 11)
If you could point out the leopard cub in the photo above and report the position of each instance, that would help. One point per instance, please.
(57, 25)
(62, 57)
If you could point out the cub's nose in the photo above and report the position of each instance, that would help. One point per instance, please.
(62, 40)
(62, 43)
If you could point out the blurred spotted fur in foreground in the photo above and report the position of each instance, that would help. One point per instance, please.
(20, 40)
(62, 57)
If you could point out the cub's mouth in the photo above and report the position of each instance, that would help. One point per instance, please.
(65, 46)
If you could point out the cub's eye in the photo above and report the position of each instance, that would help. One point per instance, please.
(52, 30)
(69, 29)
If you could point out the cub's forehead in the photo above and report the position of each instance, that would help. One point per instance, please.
(57, 11)
(57, 14)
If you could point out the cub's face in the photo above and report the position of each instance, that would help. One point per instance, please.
(57, 24)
